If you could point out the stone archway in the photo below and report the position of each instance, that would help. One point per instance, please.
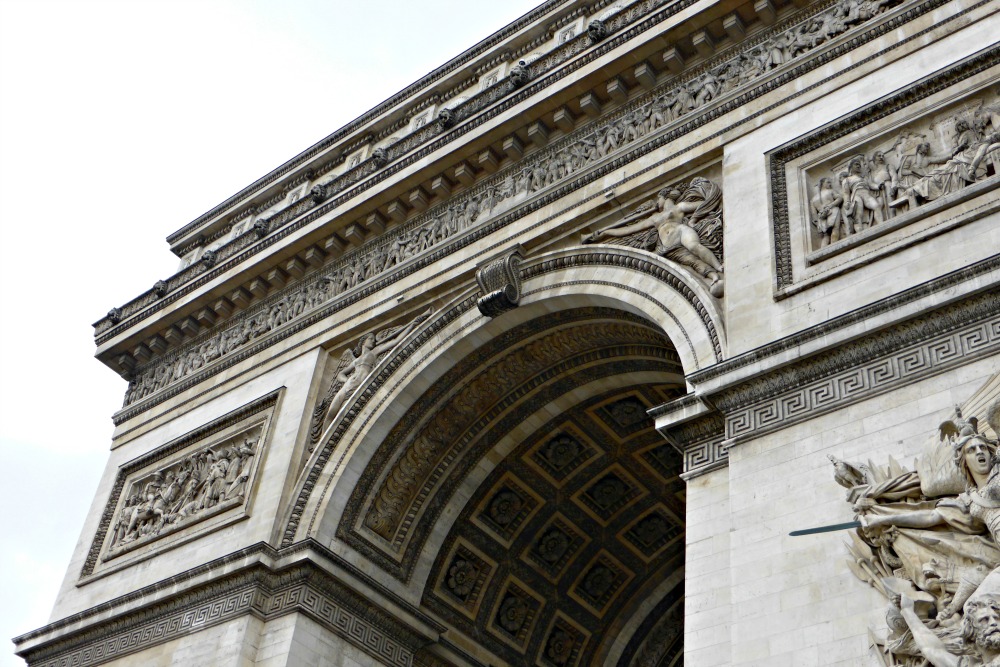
(525, 499)
(542, 409)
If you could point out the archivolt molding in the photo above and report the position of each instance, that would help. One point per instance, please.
(701, 316)
(428, 452)
(680, 303)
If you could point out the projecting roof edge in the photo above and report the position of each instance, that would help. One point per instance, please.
(358, 123)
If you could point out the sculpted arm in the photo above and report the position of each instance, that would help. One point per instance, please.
(620, 229)
(930, 645)
(915, 519)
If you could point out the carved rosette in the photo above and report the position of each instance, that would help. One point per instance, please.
(500, 283)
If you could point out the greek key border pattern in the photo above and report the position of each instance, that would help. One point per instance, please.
(705, 457)
(875, 377)
(264, 594)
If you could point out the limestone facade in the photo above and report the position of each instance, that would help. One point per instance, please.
(540, 361)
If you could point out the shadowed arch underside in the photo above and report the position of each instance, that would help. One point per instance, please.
(527, 495)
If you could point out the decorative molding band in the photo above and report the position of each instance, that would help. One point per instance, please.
(856, 122)
(621, 259)
(694, 115)
(324, 452)
(701, 441)
(258, 590)
(942, 284)
(704, 457)
(942, 340)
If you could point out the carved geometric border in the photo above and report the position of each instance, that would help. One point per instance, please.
(260, 410)
(705, 457)
(874, 377)
(257, 590)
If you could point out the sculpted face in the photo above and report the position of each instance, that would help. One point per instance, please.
(984, 611)
(977, 456)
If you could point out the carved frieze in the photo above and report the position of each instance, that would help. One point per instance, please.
(187, 487)
(903, 170)
(927, 541)
(900, 168)
(698, 90)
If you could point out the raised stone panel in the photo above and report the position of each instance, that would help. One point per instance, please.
(282, 445)
(915, 165)
(759, 310)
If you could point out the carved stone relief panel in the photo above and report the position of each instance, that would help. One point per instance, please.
(682, 223)
(187, 487)
(904, 169)
(900, 170)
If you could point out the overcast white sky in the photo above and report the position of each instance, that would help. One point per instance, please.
(120, 122)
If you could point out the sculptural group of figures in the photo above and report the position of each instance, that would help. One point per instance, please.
(928, 542)
(683, 224)
(875, 187)
(560, 163)
(183, 490)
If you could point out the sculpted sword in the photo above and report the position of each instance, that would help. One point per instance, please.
(826, 529)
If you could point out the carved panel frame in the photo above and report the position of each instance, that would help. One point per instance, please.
(251, 420)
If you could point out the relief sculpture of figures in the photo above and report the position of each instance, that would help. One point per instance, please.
(928, 542)
(203, 483)
(922, 162)
(355, 366)
(618, 132)
(683, 225)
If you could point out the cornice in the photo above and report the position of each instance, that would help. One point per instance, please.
(415, 147)
(306, 212)
(670, 133)
(254, 580)
(301, 159)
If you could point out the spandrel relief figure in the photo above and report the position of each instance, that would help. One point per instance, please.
(355, 366)
(928, 542)
(181, 492)
(923, 162)
(684, 226)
